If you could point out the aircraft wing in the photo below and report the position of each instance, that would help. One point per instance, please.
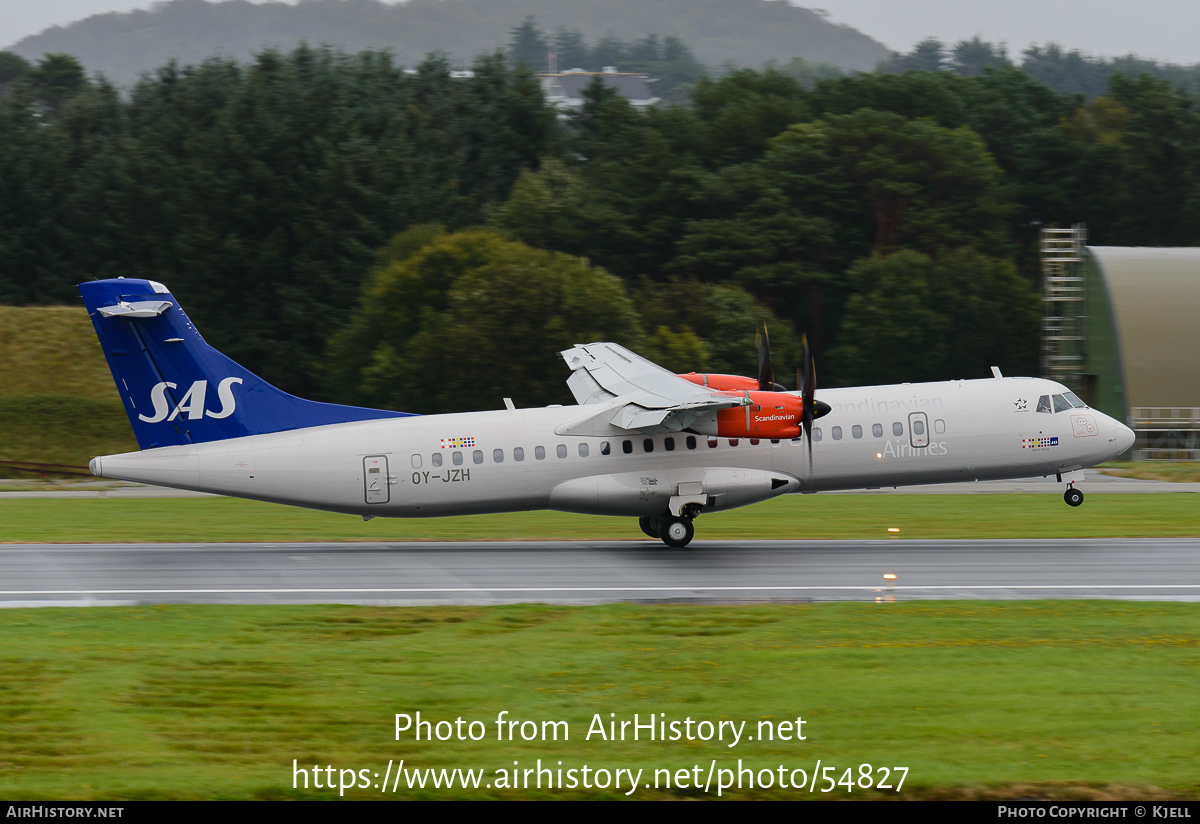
(641, 395)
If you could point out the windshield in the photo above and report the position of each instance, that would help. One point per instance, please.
(1074, 399)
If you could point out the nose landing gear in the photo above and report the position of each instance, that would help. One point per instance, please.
(1073, 496)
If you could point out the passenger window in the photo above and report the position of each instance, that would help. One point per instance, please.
(837, 433)
(437, 458)
(1061, 404)
(539, 452)
(669, 444)
(648, 445)
(939, 426)
(477, 456)
(733, 441)
(918, 427)
(712, 443)
(877, 430)
(691, 441)
(1043, 404)
(605, 448)
(817, 434)
(627, 447)
(856, 431)
(518, 453)
(457, 458)
(561, 450)
(774, 441)
(897, 428)
(416, 461)
(754, 441)
(583, 450)
(497, 456)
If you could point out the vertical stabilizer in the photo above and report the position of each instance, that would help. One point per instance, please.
(179, 390)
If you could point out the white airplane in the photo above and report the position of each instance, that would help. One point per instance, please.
(642, 442)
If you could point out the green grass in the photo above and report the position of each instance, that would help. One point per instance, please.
(1175, 471)
(978, 699)
(62, 429)
(52, 350)
(1015, 515)
(58, 402)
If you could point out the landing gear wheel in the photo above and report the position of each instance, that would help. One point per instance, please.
(677, 532)
(650, 526)
(1073, 496)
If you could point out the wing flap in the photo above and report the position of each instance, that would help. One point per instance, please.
(643, 396)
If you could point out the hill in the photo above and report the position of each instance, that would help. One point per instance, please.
(741, 32)
(58, 403)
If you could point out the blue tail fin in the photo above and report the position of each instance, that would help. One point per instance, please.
(179, 390)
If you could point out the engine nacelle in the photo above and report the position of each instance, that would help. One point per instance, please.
(769, 415)
(725, 383)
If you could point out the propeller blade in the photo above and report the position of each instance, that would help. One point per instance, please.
(807, 385)
(762, 343)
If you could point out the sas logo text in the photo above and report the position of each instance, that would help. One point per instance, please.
(192, 403)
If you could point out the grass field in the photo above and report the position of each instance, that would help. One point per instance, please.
(1173, 471)
(977, 699)
(58, 403)
(793, 517)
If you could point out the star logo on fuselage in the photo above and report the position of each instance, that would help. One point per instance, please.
(1020, 404)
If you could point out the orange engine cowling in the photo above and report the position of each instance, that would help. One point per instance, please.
(769, 415)
(722, 383)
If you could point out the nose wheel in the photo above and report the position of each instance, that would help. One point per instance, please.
(1073, 496)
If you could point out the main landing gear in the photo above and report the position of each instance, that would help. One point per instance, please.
(672, 531)
(1073, 496)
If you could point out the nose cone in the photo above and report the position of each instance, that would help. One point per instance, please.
(1124, 437)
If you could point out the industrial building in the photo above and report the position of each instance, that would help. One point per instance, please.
(1121, 327)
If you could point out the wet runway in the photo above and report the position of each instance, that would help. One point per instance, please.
(596, 572)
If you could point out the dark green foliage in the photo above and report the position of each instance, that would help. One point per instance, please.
(878, 213)
(921, 318)
(455, 322)
(258, 192)
(12, 68)
(527, 46)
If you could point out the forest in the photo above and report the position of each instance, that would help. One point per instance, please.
(356, 232)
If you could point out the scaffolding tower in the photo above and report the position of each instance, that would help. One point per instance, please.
(1064, 305)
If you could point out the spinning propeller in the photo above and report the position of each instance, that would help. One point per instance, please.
(806, 384)
(806, 380)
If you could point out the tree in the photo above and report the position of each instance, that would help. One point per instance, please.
(13, 67)
(57, 78)
(470, 317)
(917, 318)
(971, 58)
(527, 44)
(923, 186)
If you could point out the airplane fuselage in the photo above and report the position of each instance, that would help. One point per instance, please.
(514, 460)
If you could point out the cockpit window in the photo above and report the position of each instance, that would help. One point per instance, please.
(1044, 404)
(1061, 404)
(1074, 399)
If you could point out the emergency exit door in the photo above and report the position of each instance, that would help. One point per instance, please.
(918, 428)
(375, 479)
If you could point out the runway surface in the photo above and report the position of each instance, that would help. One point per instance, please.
(596, 572)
